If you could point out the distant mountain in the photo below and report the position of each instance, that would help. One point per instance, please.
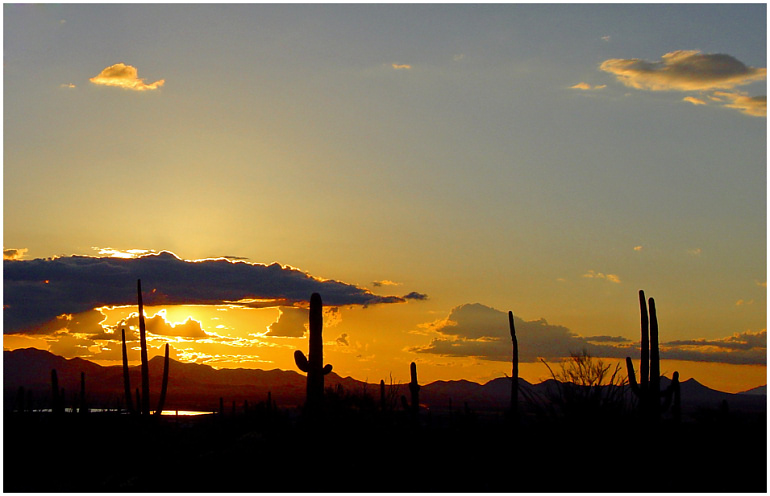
(199, 387)
(761, 390)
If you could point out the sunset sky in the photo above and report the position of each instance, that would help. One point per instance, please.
(425, 168)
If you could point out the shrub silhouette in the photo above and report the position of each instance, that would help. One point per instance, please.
(313, 364)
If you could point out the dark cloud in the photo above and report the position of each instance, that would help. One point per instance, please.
(415, 296)
(290, 323)
(342, 340)
(37, 291)
(476, 330)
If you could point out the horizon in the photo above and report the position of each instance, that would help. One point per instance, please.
(425, 168)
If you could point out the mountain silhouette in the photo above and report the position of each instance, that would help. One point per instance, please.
(195, 386)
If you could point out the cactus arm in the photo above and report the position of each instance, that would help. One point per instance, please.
(126, 379)
(327, 369)
(301, 361)
(164, 385)
(145, 406)
(632, 377)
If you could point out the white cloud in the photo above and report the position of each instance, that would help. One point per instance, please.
(591, 274)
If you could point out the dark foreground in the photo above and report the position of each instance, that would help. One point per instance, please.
(384, 453)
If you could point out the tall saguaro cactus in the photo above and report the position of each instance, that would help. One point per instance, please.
(313, 365)
(145, 406)
(515, 368)
(648, 388)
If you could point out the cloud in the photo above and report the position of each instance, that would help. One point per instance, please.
(740, 348)
(400, 66)
(37, 291)
(750, 105)
(385, 282)
(67, 85)
(479, 331)
(587, 87)
(684, 70)
(415, 296)
(606, 39)
(124, 76)
(342, 340)
(693, 100)
(291, 323)
(638, 248)
(591, 274)
(14, 253)
(695, 252)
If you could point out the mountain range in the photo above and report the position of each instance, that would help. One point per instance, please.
(199, 387)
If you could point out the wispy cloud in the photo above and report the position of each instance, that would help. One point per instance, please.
(67, 85)
(694, 101)
(37, 291)
(385, 282)
(588, 87)
(749, 105)
(124, 76)
(400, 66)
(638, 248)
(592, 274)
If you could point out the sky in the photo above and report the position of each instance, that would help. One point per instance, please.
(425, 168)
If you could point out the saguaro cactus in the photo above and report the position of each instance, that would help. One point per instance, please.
(145, 406)
(313, 365)
(164, 385)
(57, 398)
(515, 369)
(648, 388)
(126, 379)
(83, 409)
(414, 389)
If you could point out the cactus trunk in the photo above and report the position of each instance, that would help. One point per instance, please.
(164, 385)
(126, 379)
(515, 368)
(313, 364)
(145, 405)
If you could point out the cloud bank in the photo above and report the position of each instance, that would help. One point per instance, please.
(124, 76)
(38, 291)
(479, 331)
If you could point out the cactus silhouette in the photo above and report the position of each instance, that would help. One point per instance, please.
(145, 405)
(126, 379)
(164, 385)
(83, 408)
(515, 369)
(414, 388)
(57, 398)
(648, 388)
(313, 364)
